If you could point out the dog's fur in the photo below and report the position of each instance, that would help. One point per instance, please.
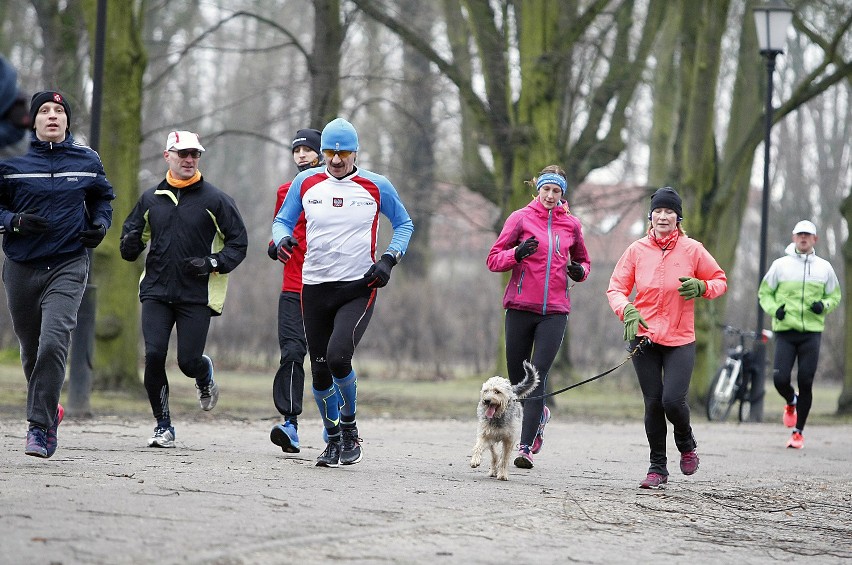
(499, 414)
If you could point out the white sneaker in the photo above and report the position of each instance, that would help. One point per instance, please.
(208, 395)
(163, 437)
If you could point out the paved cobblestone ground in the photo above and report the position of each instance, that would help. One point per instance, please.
(226, 495)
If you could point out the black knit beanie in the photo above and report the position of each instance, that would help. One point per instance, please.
(310, 138)
(666, 197)
(39, 98)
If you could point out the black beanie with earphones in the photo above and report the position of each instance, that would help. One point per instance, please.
(310, 138)
(666, 197)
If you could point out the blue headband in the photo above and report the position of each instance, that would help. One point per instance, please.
(551, 178)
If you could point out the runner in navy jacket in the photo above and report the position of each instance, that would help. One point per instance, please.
(54, 204)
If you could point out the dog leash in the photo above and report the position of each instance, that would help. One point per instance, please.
(642, 343)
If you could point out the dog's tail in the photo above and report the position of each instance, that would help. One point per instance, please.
(526, 386)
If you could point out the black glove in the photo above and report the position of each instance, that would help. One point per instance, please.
(526, 248)
(92, 237)
(817, 307)
(780, 313)
(285, 248)
(379, 274)
(272, 251)
(198, 266)
(131, 246)
(576, 271)
(27, 223)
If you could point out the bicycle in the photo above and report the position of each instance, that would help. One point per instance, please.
(734, 378)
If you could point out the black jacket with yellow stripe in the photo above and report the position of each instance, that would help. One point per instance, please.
(196, 221)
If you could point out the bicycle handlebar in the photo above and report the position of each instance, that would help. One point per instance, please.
(765, 335)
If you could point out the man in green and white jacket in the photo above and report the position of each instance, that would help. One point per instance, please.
(798, 291)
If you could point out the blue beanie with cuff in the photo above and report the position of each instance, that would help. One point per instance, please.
(339, 135)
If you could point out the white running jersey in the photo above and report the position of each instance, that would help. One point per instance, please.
(342, 218)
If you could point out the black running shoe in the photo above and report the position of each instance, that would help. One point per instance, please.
(351, 448)
(331, 456)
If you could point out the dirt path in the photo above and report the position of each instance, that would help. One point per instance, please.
(226, 496)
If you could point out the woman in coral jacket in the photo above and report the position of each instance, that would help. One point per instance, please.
(668, 270)
(542, 244)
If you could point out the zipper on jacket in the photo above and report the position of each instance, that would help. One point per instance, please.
(549, 261)
(521, 281)
(805, 269)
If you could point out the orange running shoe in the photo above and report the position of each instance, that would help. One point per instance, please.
(796, 441)
(789, 415)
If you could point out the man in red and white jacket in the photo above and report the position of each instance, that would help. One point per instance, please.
(289, 384)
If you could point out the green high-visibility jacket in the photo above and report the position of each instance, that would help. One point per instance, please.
(796, 281)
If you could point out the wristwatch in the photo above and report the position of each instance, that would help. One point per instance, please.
(395, 255)
(213, 262)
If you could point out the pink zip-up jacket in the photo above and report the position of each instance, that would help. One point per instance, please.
(539, 283)
(655, 273)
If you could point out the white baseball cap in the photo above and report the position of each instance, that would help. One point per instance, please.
(183, 140)
(805, 226)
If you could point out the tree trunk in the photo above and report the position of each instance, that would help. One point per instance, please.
(417, 141)
(844, 403)
(116, 360)
(324, 64)
(63, 33)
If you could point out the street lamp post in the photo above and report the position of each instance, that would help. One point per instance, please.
(772, 20)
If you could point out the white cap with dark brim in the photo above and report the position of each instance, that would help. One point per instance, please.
(183, 140)
(805, 226)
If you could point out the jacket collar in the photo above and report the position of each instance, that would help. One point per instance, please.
(540, 210)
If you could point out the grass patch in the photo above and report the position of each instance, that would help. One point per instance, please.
(249, 395)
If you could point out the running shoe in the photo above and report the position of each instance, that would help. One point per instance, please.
(654, 481)
(689, 462)
(539, 435)
(331, 456)
(36, 442)
(789, 417)
(52, 440)
(286, 437)
(796, 441)
(208, 394)
(350, 452)
(524, 460)
(163, 437)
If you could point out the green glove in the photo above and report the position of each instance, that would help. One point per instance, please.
(632, 319)
(691, 288)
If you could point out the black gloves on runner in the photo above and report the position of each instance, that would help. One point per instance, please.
(285, 248)
(780, 313)
(93, 237)
(379, 274)
(131, 246)
(526, 248)
(817, 307)
(272, 251)
(576, 271)
(199, 266)
(27, 223)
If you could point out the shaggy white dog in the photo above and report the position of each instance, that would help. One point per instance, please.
(499, 414)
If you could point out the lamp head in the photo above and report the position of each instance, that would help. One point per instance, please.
(772, 20)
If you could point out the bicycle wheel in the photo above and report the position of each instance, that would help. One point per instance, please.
(722, 393)
(745, 410)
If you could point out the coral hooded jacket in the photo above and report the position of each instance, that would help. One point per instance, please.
(654, 273)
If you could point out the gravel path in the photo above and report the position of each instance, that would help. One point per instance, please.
(226, 495)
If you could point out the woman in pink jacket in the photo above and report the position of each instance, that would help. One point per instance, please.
(542, 244)
(668, 270)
